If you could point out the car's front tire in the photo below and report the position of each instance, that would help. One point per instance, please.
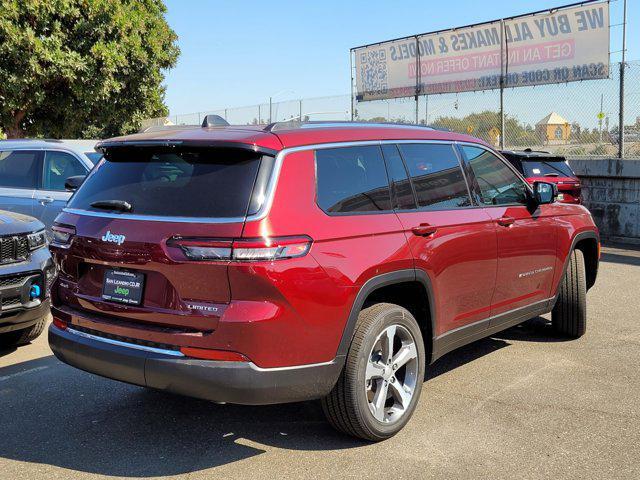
(381, 382)
(569, 315)
(24, 336)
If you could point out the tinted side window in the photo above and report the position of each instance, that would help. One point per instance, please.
(400, 184)
(352, 179)
(496, 182)
(19, 169)
(436, 175)
(58, 166)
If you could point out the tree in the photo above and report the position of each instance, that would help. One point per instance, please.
(481, 123)
(74, 68)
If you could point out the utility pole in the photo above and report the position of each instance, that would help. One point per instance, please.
(622, 67)
(270, 105)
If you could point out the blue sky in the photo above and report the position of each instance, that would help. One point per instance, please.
(237, 53)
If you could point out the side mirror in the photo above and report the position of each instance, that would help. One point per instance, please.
(544, 192)
(73, 183)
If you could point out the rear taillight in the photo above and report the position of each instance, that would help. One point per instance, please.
(242, 250)
(62, 235)
(203, 249)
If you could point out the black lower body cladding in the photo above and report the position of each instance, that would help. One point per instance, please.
(232, 382)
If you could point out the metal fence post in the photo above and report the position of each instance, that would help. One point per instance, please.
(351, 89)
(502, 72)
(417, 79)
(426, 110)
(622, 67)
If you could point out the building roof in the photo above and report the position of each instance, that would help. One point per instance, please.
(286, 137)
(552, 119)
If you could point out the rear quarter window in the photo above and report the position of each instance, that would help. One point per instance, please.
(352, 180)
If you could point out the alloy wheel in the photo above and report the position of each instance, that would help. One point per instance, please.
(391, 374)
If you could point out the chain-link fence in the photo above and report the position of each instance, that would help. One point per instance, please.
(578, 119)
(318, 108)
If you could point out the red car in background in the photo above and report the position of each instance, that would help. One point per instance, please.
(538, 166)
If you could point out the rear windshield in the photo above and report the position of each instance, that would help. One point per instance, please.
(549, 168)
(205, 182)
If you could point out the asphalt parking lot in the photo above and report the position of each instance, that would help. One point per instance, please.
(522, 404)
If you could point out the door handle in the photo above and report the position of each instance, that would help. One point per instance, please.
(424, 230)
(506, 221)
(45, 200)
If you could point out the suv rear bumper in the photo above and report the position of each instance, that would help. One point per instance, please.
(232, 382)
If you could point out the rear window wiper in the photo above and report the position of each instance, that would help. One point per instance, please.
(119, 205)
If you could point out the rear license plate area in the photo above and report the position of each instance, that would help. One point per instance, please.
(122, 286)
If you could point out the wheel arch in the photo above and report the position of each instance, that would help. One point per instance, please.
(589, 246)
(410, 288)
(588, 243)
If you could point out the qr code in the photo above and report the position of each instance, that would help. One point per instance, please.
(373, 71)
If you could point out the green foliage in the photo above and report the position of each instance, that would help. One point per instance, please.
(80, 68)
(481, 123)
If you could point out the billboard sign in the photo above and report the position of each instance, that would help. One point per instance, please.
(556, 46)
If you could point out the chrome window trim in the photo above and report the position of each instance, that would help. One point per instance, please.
(271, 186)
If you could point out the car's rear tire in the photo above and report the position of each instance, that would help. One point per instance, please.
(569, 315)
(24, 336)
(381, 382)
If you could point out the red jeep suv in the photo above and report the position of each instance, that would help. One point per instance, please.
(547, 167)
(329, 261)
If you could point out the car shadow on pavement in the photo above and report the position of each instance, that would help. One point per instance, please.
(7, 350)
(628, 259)
(463, 355)
(74, 420)
(57, 415)
(537, 329)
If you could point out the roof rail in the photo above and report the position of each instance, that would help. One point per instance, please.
(52, 140)
(292, 124)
